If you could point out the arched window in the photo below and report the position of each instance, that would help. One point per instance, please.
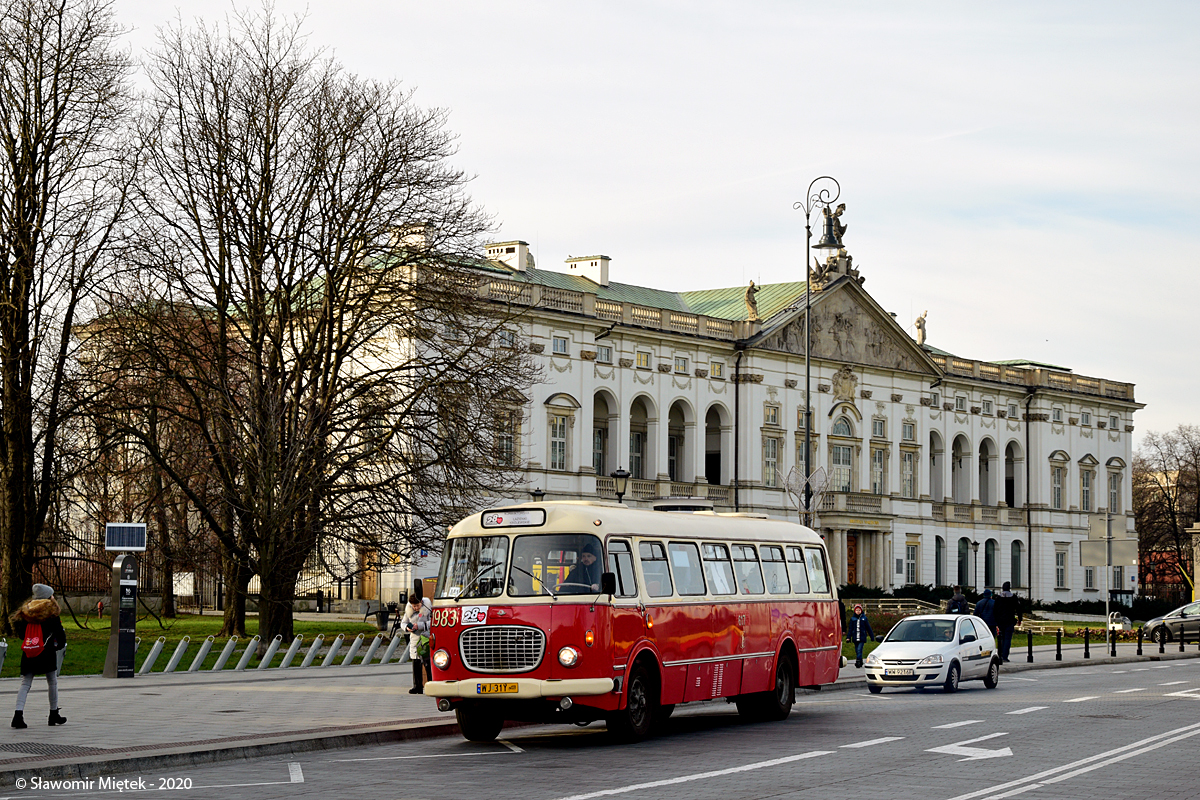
(841, 458)
(1017, 566)
(989, 562)
(939, 562)
(841, 427)
(964, 562)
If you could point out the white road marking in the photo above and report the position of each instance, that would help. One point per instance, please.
(1081, 699)
(1021, 790)
(296, 773)
(1031, 680)
(1142, 669)
(510, 751)
(1127, 691)
(1162, 666)
(700, 775)
(1027, 710)
(1119, 671)
(973, 753)
(956, 724)
(870, 742)
(510, 745)
(1149, 743)
(1172, 683)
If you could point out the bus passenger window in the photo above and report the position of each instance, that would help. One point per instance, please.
(745, 563)
(774, 569)
(620, 562)
(795, 563)
(816, 569)
(685, 564)
(718, 569)
(654, 569)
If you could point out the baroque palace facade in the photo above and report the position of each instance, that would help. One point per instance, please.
(941, 469)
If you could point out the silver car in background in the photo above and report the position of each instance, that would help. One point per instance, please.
(936, 650)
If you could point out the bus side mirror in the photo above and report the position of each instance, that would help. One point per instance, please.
(608, 583)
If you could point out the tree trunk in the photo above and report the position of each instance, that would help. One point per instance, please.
(276, 605)
(237, 582)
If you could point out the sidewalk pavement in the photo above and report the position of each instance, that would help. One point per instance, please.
(182, 719)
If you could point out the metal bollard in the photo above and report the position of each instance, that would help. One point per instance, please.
(1139, 652)
(312, 650)
(333, 650)
(249, 651)
(148, 664)
(1162, 644)
(370, 656)
(1029, 645)
(1181, 638)
(1087, 651)
(205, 647)
(291, 652)
(1112, 644)
(1058, 644)
(270, 654)
(225, 654)
(387, 655)
(354, 646)
(178, 654)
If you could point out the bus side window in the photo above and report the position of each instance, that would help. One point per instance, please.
(685, 564)
(745, 562)
(654, 569)
(795, 564)
(718, 569)
(774, 569)
(816, 569)
(620, 562)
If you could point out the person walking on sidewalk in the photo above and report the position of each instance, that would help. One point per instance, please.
(859, 632)
(416, 623)
(41, 633)
(985, 609)
(1007, 616)
(958, 603)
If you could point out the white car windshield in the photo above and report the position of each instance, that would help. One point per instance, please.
(916, 629)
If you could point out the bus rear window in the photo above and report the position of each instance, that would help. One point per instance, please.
(774, 569)
(745, 564)
(654, 569)
(473, 567)
(815, 560)
(718, 569)
(685, 566)
(795, 564)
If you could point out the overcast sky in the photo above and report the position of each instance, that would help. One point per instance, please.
(1026, 172)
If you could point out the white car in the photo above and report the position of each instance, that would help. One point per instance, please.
(935, 650)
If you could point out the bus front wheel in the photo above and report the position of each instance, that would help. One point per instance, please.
(633, 723)
(478, 725)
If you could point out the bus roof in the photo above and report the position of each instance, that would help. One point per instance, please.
(606, 519)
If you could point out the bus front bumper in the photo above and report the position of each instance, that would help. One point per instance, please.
(526, 689)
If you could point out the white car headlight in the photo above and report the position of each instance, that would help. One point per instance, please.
(874, 660)
(441, 659)
(929, 661)
(568, 656)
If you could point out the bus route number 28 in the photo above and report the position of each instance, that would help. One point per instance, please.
(445, 617)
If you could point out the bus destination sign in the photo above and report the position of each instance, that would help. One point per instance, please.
(527, 518)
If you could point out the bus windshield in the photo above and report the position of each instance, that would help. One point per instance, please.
(473, 566)
(555, 563)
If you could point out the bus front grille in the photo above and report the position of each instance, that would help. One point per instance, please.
(501, 648)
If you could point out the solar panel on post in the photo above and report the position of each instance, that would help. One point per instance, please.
(125, 537)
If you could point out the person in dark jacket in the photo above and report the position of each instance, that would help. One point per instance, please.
(859, 632)
(1007, 616)
(585, 575)
(958, 603)
(985, 609)
(41, 609)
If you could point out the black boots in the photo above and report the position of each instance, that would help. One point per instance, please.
(418, 678)
(56, 718)
(19, 720)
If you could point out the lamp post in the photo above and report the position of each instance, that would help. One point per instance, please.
(814, 200)
(620, 482)
(537, 495)
(975, 570)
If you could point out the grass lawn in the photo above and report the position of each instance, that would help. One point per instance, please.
(86, 647)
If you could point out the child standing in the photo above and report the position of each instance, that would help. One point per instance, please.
(41, 633)
(859, 632)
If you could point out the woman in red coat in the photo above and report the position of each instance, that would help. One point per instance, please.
(41, 610)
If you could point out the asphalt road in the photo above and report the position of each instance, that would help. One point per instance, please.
(1117, 731)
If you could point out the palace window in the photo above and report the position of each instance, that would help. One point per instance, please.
(1057, 475)
(960, 403)
(506, 338)
(910, 563)
(681, 365)
(878, 470)
(1085, 489)
(908, 474)
(770, 461)
(1056, 414)
(1060, 569)
(603, 354)
(771, 415)
(643, 359)
(842, 461)
(879, 428)
(1085, 418)
(909, 432)
(561, 345)
(716, 369)
(1114, 422)
(637, 452)
(558, 442)
(1013, 413)
(987, 407)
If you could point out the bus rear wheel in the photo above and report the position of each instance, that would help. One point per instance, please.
(633, 723)
(478, 725)
(776, 704)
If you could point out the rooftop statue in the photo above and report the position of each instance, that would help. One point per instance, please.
(751, 303)
(921, 327)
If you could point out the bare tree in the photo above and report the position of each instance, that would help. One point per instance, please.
(1166, 493)
(307, 288)
(63, 180)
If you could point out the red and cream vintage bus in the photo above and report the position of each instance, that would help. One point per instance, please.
(578, 611)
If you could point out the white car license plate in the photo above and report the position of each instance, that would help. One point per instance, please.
(897, 672)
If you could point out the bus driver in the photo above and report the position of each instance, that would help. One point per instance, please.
(586, 573)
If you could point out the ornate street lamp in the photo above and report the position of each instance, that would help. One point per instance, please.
(537, 495)
(620, 482)
(975, 571)
(821, 199)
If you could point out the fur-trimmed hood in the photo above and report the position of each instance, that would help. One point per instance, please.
(37, 610)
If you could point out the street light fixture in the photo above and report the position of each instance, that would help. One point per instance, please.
(620, 482)
(537, 495)
(821, 199)
(975, 571)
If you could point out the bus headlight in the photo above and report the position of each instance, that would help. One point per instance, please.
(441, 659)
(568, 656)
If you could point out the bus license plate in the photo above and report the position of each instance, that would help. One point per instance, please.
(891, 672)
(496, 688)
